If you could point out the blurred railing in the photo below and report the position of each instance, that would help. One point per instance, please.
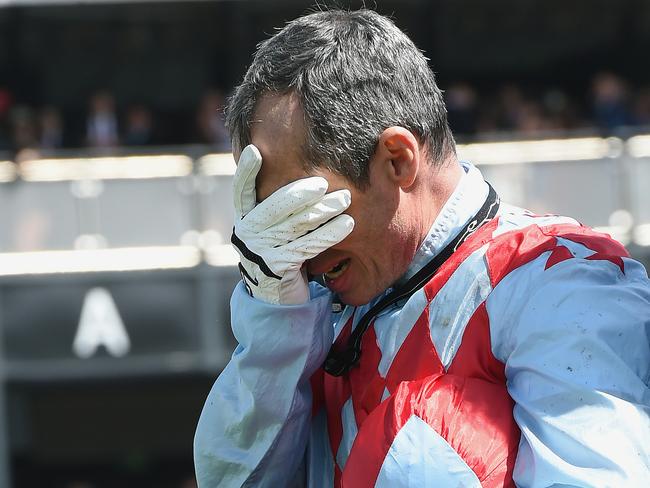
(179, 206)
(601, 182)
(149, 232)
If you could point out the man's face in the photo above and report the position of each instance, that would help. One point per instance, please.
(380, 247)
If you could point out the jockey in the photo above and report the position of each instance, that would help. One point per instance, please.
(455, 340)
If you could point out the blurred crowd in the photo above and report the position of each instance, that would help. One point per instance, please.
(513, 109)
(608, 106)
(107, 125)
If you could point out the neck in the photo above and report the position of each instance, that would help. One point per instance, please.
(439, 184)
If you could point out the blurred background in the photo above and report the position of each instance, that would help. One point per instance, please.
(115, 268)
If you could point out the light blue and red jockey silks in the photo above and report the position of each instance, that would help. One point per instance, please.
(465, 402)
(524, 362)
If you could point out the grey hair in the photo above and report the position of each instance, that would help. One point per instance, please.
(356, 73)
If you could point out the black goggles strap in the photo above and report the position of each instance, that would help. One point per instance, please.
(339, 362)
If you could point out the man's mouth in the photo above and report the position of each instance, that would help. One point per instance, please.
(337, 270)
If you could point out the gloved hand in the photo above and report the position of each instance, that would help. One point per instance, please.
(275, 237)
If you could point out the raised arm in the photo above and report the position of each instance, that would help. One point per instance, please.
(255, 423)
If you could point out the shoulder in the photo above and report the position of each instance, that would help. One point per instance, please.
(549, 273)
(519, 237)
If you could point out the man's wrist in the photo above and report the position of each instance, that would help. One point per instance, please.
(290, 290)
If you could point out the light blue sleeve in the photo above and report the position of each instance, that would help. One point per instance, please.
(575, 339)
(254, 426)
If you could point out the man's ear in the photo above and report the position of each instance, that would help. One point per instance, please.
(398, 153)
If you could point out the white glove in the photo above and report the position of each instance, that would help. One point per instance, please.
(275, 238)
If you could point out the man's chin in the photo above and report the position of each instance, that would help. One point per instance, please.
(355, 298)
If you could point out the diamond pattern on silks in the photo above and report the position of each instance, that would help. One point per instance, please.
(473, 359)
(335, 393)
(365, 382)
(417, 358)
(467, 405)
(472, 416)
